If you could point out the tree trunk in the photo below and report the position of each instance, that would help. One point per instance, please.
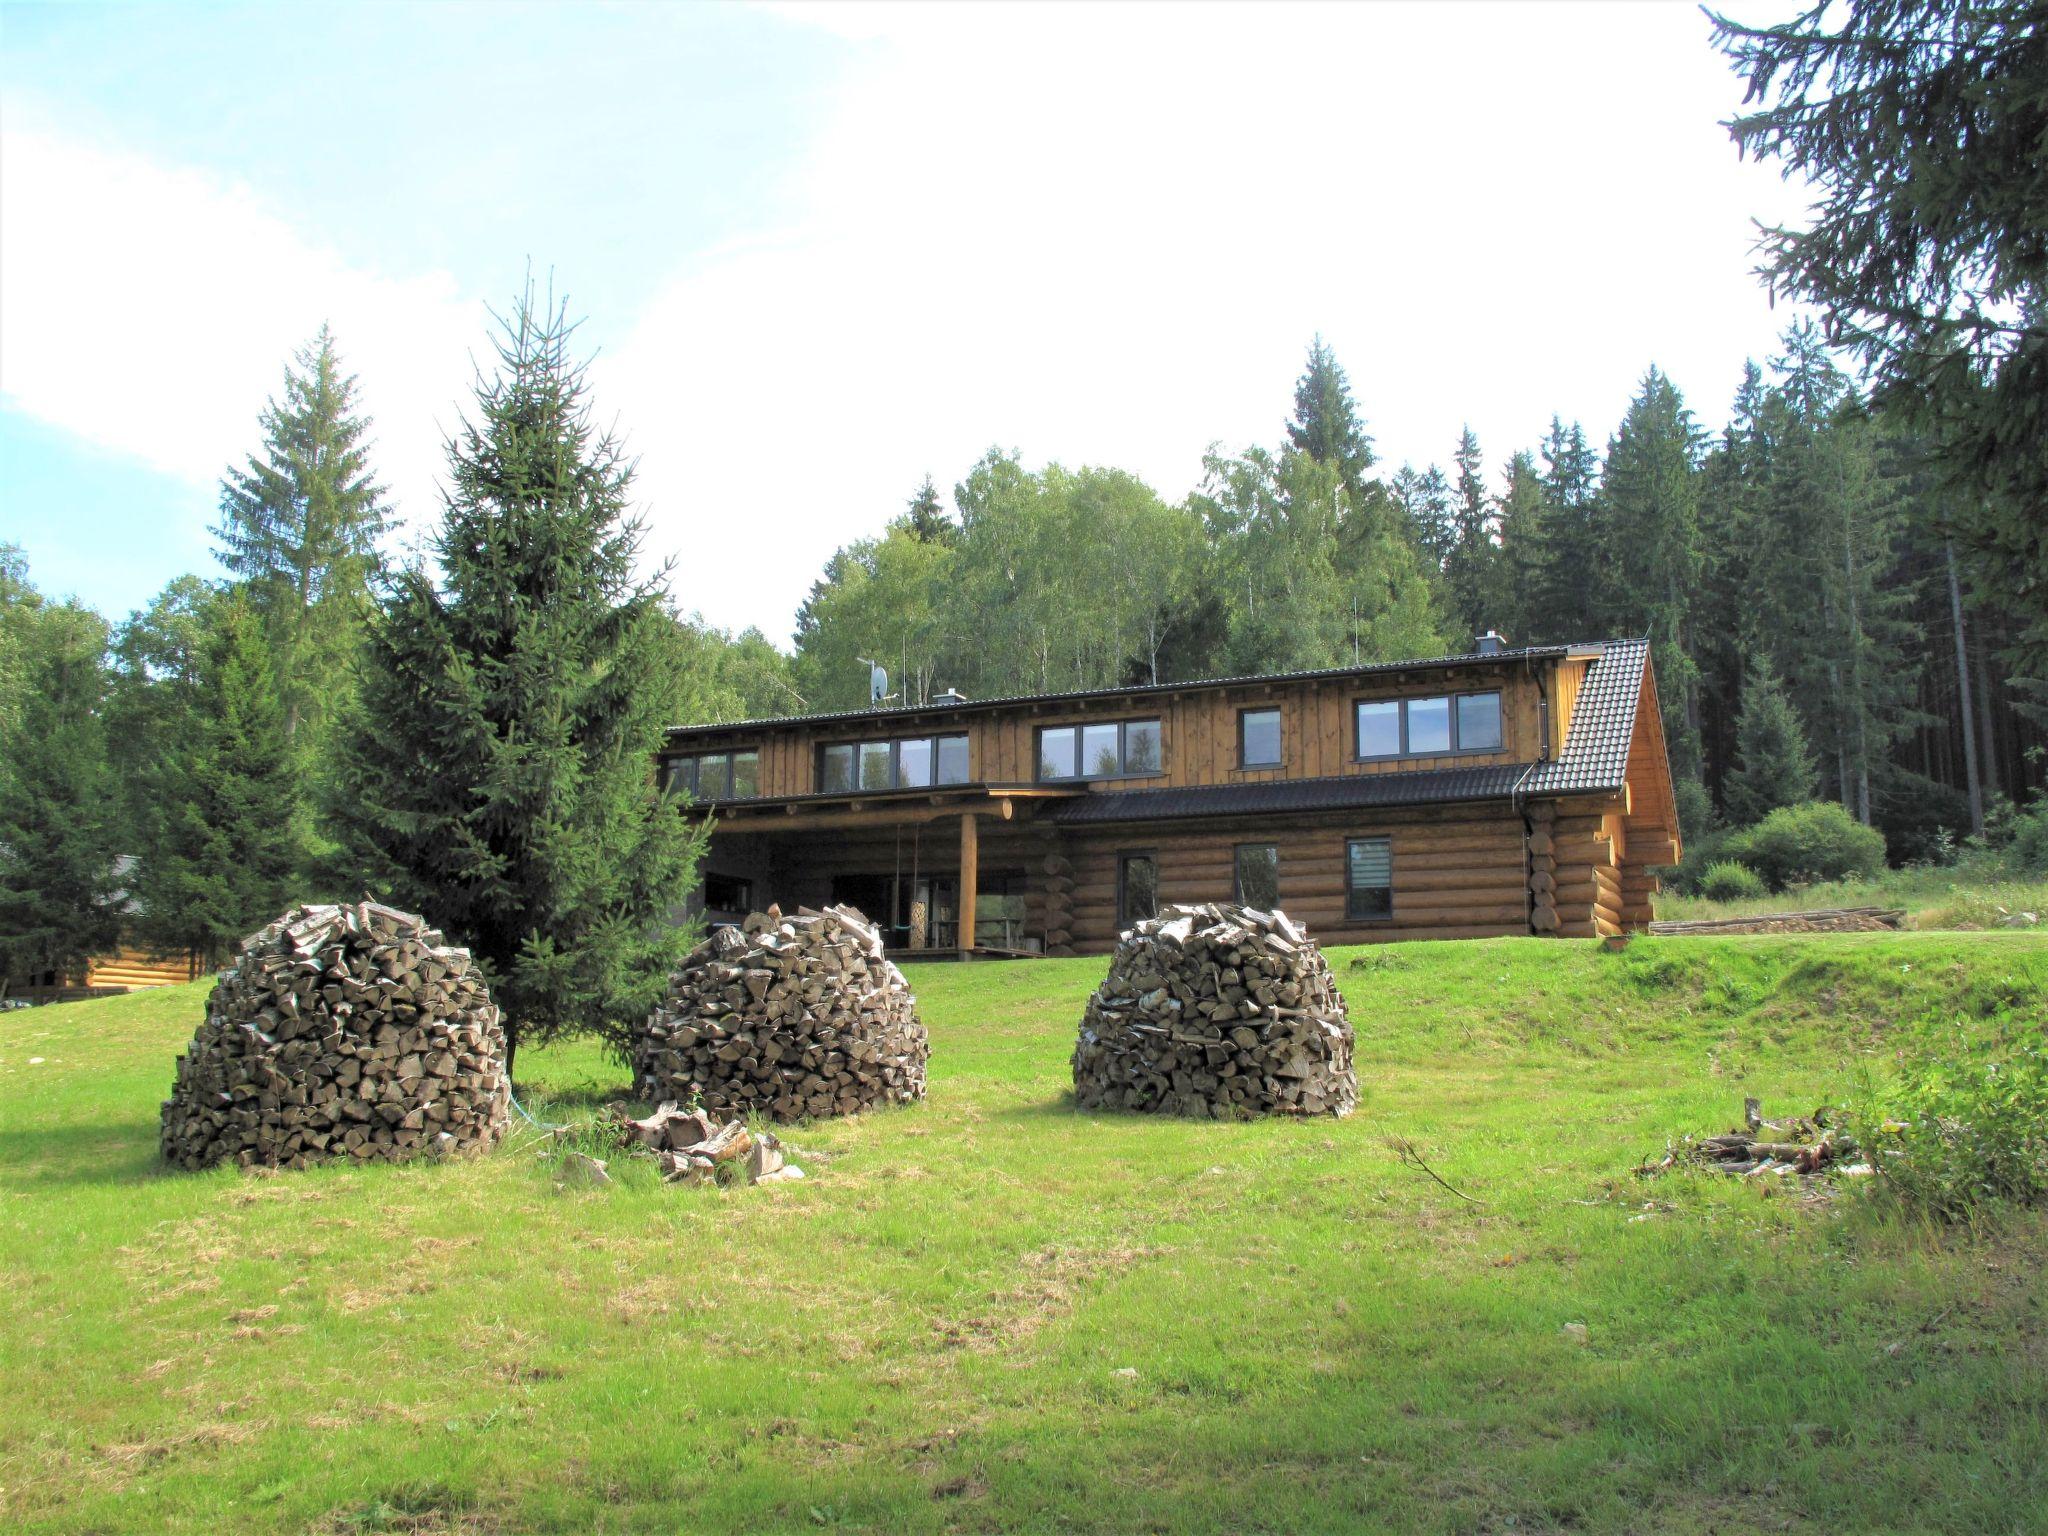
(1970, 767)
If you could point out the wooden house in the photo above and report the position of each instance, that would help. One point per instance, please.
(1502, 791)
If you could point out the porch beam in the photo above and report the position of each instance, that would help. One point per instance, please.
(970, 872)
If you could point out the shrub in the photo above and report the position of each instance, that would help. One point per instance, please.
(1701, 854)
(2029, 847)
(1815, 841)
(1730, 881)
(1958, 1132)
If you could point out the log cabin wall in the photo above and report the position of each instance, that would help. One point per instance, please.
(1199, 741)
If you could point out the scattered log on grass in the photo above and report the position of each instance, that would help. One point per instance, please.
(1219, 1012)
(692, 1151)
(788, 1018)
(341, 1031)
(1806, 1144)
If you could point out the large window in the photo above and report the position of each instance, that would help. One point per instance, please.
(716, 775)
(1137, 888)
(1369, 879)
(1120, 749)
(1258, 876)
(1258, 738)
(1437, 726)
(914, 762)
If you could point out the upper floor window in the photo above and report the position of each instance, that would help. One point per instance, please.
(1435, 726)
(1119, 749)
(1258, 738)
(716, 775)
(913, 762)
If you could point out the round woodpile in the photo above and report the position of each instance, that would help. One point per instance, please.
(341, 1031)
(786, 1017)
(1218, 1012)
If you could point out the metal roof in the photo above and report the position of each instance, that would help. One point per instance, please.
(1432, 786)
(1143, 690)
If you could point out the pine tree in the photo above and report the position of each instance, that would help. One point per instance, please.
(1646, 553)
(500, 772)
(60, 834)
(215, 860)
(1775, 768)
(1565, 551)
(1325, 424)
(1469, 569)
(926, 517)
(1519, 597)
(299, 525)
(1425, 498)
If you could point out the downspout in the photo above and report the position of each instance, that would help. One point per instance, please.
(1518, 796)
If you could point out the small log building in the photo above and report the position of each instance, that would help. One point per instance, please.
(1503, 791)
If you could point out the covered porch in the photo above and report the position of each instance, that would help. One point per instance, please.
(953, 872)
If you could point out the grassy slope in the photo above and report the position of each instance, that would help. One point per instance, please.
(926, 1335)
(1957, 897)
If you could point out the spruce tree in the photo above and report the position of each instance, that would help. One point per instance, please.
(1564, 555)
(926, 517)
(1775, 767)
(215, 859)
(300, 524)
(1519, 599)
(1425, 498)
(1646, 552)
(60, 832)
(1325, 425)
(1469, 569)
(501, 766)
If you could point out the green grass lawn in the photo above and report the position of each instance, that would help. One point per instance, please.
(933, 1332)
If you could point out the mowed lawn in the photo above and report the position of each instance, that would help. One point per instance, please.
(995, 1313)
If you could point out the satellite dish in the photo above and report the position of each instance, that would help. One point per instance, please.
(878, 681)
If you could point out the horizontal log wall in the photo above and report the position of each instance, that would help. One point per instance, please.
(1198, 729)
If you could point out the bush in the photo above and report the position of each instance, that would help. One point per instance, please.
(1815, 841)
(1956, 1133)
(1730, 881)
(2029, 848)
(1701, 854)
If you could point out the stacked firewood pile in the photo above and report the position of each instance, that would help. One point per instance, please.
(786, 1017)
(692, 1148)
(341, 1031)
(1804, 1144)
(1218, 1012)
(1828, 920)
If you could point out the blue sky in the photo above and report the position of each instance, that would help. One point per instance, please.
(823, 252)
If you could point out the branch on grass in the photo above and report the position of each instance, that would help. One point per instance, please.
(1404, 1149)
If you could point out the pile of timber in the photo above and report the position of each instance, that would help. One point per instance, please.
(786, 1017)
(1218, 1012)
(341, 1031)
(692, 1148)
(1826, 920)
(1804, 1144)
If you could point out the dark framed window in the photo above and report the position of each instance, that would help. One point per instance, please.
(1258, 738)
(911, 762)
(1438, 725)
(728, 893)
(836, 770)
(1117, 749)
(1137, 887)
(716, 775)
(1258, 876)
(1479, 722)
(1369, 879)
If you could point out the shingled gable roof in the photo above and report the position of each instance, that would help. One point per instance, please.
(1594, 760)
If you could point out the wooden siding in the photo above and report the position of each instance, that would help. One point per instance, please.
(1198, 730)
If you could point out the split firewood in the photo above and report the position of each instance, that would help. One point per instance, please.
(1218, 1012)
(341, 1031)
(788, 1018)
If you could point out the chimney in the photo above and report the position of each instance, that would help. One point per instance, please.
(1492, 643)
(950, 696)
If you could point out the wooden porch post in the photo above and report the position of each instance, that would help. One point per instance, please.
(970, 871)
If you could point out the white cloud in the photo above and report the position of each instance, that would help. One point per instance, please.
(1106, 235)
(149, 309)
